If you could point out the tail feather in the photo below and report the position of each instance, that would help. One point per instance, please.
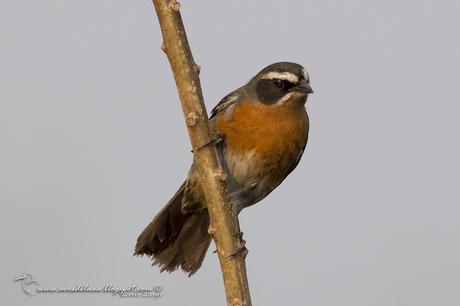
(174, 239)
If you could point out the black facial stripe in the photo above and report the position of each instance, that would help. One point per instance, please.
(269, 91)
(287, 85)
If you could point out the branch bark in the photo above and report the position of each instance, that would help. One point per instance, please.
(224, 227)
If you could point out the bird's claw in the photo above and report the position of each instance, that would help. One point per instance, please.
(241, 250)
(217, 139)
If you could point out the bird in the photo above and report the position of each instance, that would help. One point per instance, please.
(262, 128)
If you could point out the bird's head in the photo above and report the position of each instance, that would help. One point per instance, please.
(279, 83)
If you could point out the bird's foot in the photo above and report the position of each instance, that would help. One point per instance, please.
(241, 248)
(216, 139)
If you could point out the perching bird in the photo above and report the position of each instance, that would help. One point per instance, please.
(264, 129)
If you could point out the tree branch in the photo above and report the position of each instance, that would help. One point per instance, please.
(224, 227)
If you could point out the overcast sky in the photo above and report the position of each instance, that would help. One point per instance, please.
(93, 143)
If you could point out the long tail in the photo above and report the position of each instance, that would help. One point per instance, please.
(174, 239)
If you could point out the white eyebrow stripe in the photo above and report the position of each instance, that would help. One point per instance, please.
(287, 76)
(305, 73)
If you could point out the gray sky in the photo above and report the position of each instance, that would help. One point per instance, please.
(93, 144)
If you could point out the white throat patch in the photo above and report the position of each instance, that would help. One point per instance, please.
(286, 76)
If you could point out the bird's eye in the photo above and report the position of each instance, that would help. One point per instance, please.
(278, 83)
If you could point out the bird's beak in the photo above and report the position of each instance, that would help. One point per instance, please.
(304, 87)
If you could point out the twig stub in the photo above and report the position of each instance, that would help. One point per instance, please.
(191, 119)
(197, 68)
(222, 175)
(237, 302)
(174, 5)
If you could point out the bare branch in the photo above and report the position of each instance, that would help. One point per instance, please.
(224, 227)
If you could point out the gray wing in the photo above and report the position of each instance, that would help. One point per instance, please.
(225, 103)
